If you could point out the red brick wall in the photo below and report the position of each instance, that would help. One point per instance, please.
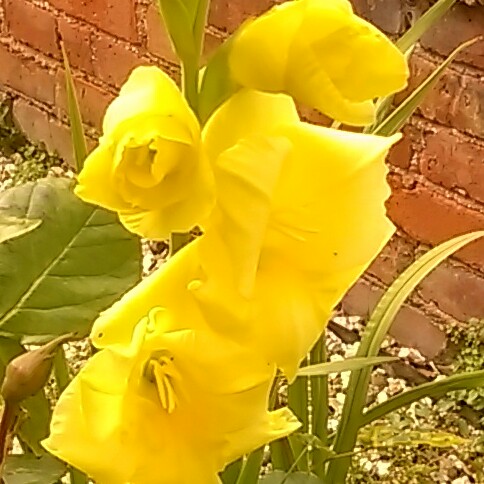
(437, 171)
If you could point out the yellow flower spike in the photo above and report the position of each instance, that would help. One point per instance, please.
(174, 406)
(300, 215)
(324, 56)
(149, 166)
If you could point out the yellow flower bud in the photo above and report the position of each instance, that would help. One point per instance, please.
(323, 55)
(149, 166)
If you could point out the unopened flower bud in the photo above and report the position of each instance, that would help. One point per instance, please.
(26, 374)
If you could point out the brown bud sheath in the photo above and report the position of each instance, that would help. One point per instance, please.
(26, 374)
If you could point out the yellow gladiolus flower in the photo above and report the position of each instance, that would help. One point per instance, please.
(300, 215)
(322, 54)
(175, 404)
(148, 165)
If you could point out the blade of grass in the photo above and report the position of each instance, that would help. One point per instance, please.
(392, 123)
(423, 24)
(78, 137)
(373, 336)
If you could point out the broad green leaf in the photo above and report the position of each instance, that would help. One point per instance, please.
(178, 17)
(387, 436)
(373, 336)
(79, 144)
(280, 477)
(217, 84)
(11, 227)
(56, 279)
(27, 469)
(392, 123)
(349, 364)
(434, 389)
(35, 419)
(423, 24)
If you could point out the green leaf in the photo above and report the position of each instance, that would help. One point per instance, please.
(392, 123)
(56, 279)
(27, 469)
(280, 477)
(434, 389)
(349, 364)
(388, 436)
(79, 144)
(393, 299)
(178, 17)
(423, 24)
(217, 83)
(11, 227)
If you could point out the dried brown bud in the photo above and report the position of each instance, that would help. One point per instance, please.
(26, 374)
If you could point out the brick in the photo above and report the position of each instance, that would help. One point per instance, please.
(212, 41)
(113, 60)
(38, 126)
(25, 76)
(456, 291)
(387, 15)
(462, 23)
(31, 25)
(77, 41)
(116, 17)
(395, 257)
(93, 100)
(411, 327)
(229, 14)
(402, 153)
(159, 43)
(457, 100)
(432, 218)
(454, 162)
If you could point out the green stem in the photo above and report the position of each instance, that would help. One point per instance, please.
(282, 456)
(191, 67)
(297, 395)
(232, 472)
(251, 468)
(189, 71)
(320, 403)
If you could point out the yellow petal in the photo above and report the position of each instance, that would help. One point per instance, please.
(338, 220)
(115, 325)
(98, 166)
(148, 92)
(246, 176)
(245, 114)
